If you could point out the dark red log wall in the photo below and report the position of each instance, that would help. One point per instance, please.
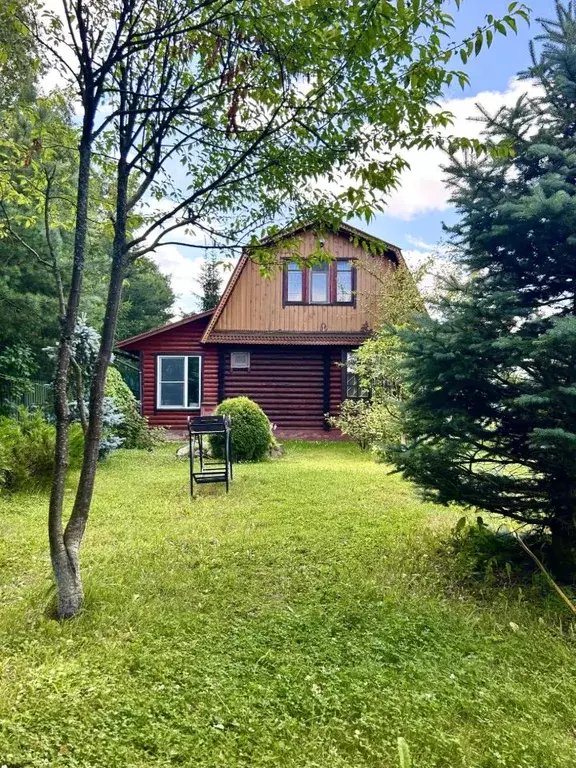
(288, 384)
(182, 340)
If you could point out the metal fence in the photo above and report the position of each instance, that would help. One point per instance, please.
(15, 393)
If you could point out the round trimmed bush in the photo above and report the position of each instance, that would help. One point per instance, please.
(251, 430)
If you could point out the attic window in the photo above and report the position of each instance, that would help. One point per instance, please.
(325, 283)
(294, 282)
(320, 284)
(240, 361)
(344, 282)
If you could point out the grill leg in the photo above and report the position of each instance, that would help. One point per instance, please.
(192, 445)
(229, 453)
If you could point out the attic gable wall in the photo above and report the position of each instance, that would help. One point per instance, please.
(255, 303)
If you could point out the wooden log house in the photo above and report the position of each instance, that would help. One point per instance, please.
(285, 341)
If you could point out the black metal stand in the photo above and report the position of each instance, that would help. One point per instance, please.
(211, 470)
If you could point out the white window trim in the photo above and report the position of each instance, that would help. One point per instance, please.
(194, 407)
(239, 367)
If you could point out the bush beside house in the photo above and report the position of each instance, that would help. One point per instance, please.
(251, 430)
(134, 429)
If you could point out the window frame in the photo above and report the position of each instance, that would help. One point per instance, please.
(346, 373)
(351, 302)
(239, 367)
(327, 271)
(186, 356)
(286, 301)
(306, 273)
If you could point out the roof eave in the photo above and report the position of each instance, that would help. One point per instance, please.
(163, 328)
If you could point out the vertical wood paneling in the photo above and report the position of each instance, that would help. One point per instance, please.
(256, 302)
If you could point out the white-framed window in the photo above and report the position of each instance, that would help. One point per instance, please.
(240, 361)
(178, 382)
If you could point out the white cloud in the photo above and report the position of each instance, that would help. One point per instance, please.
(182, 266)
(433, 265)
(421, 244)
(422, 188)
(183, 272)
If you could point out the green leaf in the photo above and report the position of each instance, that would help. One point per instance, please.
(511, 21)
(478, 45)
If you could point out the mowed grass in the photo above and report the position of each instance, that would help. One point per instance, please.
(308, 619)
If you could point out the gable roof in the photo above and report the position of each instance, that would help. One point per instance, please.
(165, 327)
(343, 228)
(347, 228)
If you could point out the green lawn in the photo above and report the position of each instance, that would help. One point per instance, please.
(308, 619)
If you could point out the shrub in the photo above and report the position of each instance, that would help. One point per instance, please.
(370, 424)
(27, 450)
(133, 429)
(112, 425)
(16, 369)
(355, 421)
(479, 553)
(251, 430)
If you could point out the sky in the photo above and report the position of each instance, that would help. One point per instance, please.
(415, 212)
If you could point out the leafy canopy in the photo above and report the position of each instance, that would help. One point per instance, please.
(274, 111)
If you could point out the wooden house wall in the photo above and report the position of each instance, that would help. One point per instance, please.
(256, 301)
(183, 340)
(288, 383)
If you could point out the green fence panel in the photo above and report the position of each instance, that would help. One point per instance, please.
(130, 371)
(15, 393)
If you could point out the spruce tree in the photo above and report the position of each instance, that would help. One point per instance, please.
(492, 420)
(210, 281)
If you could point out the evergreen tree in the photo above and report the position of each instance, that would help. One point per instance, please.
(492, 421)
(211, 282)
(147, 299)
